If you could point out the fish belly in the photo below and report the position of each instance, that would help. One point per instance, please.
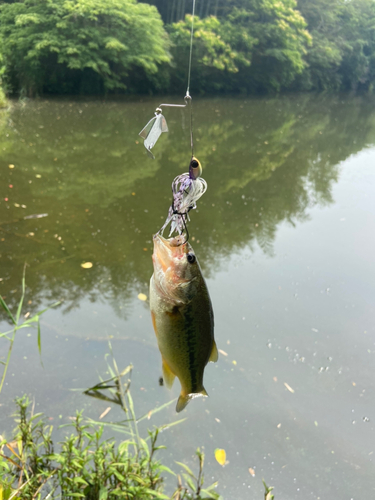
(185, 337)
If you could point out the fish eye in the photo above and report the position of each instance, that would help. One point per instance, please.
(194, 164)
(191, 258)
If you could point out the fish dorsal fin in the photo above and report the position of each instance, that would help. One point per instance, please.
(214, 356)
(184, 399)
(168, 375)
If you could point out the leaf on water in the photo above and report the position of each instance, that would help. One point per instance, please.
(220, 456)
(252, 471)
(105, 412)
(142, 296)
(289, 388)
(87, 265)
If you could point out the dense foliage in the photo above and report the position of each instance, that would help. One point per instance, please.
(84, 45)
(97, 46)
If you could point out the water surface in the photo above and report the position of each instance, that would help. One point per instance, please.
(285, 236)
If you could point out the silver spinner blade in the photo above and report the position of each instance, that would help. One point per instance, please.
(152, 131)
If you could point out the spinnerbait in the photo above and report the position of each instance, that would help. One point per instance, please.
(187, 188)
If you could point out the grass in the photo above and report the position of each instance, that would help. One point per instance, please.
(18, 325)
(84, 465)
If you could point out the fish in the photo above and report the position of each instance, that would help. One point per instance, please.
(182, 316)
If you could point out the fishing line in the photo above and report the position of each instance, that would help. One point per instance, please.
(188, 97)
(191, 48)
(158, 124)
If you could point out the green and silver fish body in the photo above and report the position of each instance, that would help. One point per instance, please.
(182, 316)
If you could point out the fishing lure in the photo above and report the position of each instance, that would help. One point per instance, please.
(153, 130)
(187, 188)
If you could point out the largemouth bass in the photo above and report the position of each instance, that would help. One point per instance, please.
(182, 316)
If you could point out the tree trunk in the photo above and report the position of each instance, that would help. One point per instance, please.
(216, 7)
(201, 10)
(208, 8)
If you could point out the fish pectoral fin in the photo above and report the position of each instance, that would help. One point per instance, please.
(168, 375)
(184, 399)
(214, 356)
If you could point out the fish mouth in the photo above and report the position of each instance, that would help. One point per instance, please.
(177, 241)
(165, 250)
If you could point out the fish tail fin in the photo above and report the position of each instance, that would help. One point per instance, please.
(184, 398)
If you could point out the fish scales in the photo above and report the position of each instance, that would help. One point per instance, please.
(182, 316)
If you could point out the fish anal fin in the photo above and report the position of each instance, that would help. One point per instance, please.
(168, 375)
(184, 399)
(214, 356)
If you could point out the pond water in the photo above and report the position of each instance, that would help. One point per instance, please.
(285, 236)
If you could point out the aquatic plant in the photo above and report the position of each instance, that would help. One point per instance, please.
(17, 325)
(84, 465)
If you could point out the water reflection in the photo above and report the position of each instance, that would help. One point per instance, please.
(266, 162)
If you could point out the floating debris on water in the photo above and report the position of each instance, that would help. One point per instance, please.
(87, 265)
(289, 388)
(220, 456)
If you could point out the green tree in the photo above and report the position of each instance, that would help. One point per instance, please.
(258, 47)
(325, 55)
(69, 44)
(213, 56)
(281, 42)
(358, 63)
(342, 51)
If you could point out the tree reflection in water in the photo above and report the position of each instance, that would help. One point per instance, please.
(266, 161)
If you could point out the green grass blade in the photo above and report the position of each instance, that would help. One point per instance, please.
(6, 309)
(40, 344)
(156, 410)
(39, 340)
(189, 471)
(22, 295)
(167, 426)
(35, 318)
(6, 334)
